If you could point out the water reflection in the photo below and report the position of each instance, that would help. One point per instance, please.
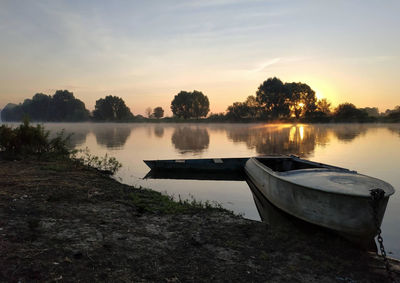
(77, 134)
(190, 140)
(347, 133)
(395, 128)
(79, 137)
(112, 136)
(280, 139)
(159, 131)
(293, 139)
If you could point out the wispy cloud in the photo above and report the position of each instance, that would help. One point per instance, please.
(265, 65)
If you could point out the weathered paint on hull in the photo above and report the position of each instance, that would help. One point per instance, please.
(346, 214)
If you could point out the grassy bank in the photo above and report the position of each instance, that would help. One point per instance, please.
(63, 221)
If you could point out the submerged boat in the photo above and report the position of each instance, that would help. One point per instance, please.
(325, 195)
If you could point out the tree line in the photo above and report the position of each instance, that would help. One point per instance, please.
(278, 101)
(62, 106)
(273, 101)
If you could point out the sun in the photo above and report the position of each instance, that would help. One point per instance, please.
(319, 95)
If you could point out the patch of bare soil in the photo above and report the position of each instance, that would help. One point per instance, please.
(60, 221)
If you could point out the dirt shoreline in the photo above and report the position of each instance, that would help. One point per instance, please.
(60, 221)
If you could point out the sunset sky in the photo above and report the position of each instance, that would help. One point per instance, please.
(147, 51)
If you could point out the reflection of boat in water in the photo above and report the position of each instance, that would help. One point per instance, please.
(325, 195)
(328, 196)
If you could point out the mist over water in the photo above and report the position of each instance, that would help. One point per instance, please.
(370, 149)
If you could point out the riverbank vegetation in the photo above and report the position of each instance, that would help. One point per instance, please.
(274, 101)
(26, 140)
(34, 142)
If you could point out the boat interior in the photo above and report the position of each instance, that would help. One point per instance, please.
(287, 164)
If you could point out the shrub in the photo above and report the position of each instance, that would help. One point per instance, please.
(26, 140)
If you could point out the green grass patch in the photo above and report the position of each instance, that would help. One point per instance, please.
(155, 202)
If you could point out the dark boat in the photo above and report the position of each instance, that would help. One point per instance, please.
(198, 165)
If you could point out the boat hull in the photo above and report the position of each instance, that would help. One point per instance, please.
(344, 213)
(198, 165)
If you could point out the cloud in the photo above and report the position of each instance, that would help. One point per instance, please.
(265, 65)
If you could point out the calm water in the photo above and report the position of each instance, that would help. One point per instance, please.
(370, 149)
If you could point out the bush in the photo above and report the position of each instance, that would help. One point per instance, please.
(27, 140)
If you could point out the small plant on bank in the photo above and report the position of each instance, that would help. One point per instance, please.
(155, 202)
(106, 164)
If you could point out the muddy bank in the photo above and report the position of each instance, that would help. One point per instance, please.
(60, 221)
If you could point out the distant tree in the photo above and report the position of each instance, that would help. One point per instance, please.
(371, 111)
(65, 107)
(158, 112)
(347, 112)
(217, 117)
(62, 106)
(273, 98)
(40, 107)
(111, 108)
(301, 99)
(237, 111)
(322, 113)
(324, 106)
(391, 115)
(148, 112)
(250, 109)
(190, 104)
(388, 111)
(12, 112)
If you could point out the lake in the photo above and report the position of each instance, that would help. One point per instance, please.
(371, 149)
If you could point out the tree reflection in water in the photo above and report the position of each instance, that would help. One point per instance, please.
(394, 128)
(190, 140)
(77, 132)
(349, 132)
(112, 136)
(159, 131)
(280, 139)
(293, 139)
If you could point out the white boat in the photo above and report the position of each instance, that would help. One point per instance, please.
(329, 196)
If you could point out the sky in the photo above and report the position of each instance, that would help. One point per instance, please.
(148, 51)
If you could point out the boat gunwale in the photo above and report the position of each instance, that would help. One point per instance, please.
(281, 176)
